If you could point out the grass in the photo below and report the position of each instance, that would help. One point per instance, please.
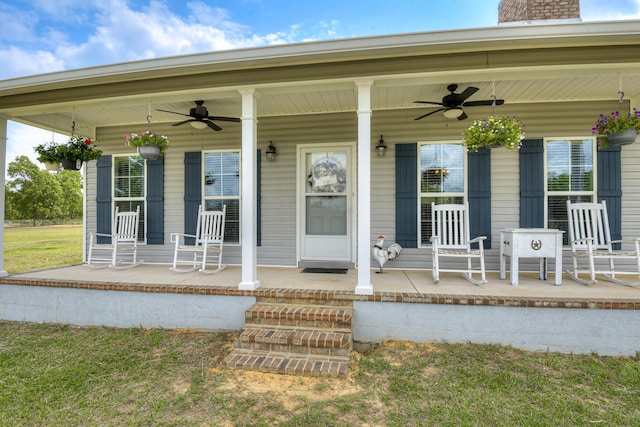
(34, 248)
(57, 375)
(52, 375)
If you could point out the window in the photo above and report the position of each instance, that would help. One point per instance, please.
(442, 180)
(222, 187)
(129, 188)
(569, 175)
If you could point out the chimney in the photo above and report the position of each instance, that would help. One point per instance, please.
(527, 11)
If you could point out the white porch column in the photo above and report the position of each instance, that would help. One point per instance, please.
(249, 211)
(364, 286)
(3, 162)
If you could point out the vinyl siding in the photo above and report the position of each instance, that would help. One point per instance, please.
(279, 201)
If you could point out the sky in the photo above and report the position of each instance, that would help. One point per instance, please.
(41, 36)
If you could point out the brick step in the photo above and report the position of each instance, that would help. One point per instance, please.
(281, 363)
(298, 341)
(297, 315)
(300, 300)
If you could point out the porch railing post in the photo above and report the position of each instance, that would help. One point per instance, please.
(364, 285)
(249, 209)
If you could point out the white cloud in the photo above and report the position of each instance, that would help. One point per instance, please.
(18, 62)
(123, 34)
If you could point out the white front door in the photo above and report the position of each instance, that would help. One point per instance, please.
(325, 189)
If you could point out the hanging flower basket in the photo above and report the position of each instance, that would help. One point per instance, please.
(52, 166)
(73, 165)
(149, 152)
(49, 155)
(148, 140)
(625, 137)
(616, 129)
(501, 131)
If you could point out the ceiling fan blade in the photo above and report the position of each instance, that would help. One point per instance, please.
(483, 102)
(462, 116)
(429, 102)
(174, 112)
(430, 113)
(467, 93)
(181, 123)
(213, 125)
(224, 119)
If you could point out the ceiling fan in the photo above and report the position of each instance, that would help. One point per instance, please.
(452, 104)
(200, 117)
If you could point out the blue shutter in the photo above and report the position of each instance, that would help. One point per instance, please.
(407, 195)
(192, 192)
(155, 201)
(479, 185)
(259, 200)
(532, 184)
(103, 198)
(610, 188)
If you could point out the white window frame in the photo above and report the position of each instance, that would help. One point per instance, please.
(142, 238)
(462, 194)
(238, 197)
(594, 189)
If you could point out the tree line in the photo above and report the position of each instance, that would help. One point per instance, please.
(38, 195)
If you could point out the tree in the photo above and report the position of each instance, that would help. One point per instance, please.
(34, 193)
(71, 184)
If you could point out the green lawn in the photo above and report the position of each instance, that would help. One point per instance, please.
(34, 248)
(64, 376)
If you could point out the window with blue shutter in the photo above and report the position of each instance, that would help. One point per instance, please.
(407, 195)
(532, 184)
(193, 193)
(479, 194)
(610, 188)
(128, 183)
(103, 198)
(569, 175)
(155, 201)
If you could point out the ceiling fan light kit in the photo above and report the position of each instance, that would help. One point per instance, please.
(198, 124)
(453, 113)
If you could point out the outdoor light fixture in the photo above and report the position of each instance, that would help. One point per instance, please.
(381, 147)
(453, 113)
(197, 124)
(271, 152)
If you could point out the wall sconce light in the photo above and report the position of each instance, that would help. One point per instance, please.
(271, 152)
(381, 147)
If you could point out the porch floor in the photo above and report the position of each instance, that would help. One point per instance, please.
(408, 283)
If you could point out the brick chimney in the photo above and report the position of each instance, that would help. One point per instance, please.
(526, 11)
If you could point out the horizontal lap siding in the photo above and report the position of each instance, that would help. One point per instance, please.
(397, 126)
(279, 201)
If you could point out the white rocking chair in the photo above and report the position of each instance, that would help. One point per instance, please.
(590, 240)
(208, 245)
(450, 239)
(122, 252)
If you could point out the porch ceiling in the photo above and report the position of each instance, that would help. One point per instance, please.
(331, 97)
